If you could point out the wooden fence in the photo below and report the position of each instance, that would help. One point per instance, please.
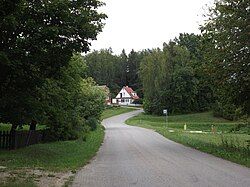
(5, 140)
(18, 139)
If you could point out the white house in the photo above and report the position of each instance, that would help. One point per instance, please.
(125, 97)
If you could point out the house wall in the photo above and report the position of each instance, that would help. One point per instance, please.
(124, 100)
(124, 94)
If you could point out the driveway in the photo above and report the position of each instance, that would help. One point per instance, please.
(133, 156)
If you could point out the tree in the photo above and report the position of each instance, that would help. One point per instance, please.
(37, 39)
(133, 67)
(68, 104)
(168, 80)
(195, 45)
(226, 34)
(104, 67)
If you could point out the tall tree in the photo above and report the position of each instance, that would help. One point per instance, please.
(133, 67)
(194, 44)
(38, 38)
(168, 80)
(104, 67)
(228, 53)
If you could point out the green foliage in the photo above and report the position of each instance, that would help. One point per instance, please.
(103, 67)
(195, 45)
(92, 123)
(115, 71)
(38, 39)
(170, 81)
(69, 104)
(226, 38)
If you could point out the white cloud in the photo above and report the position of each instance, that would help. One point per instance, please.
(141, 24)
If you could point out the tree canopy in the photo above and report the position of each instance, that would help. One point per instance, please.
(226, 37)
(38, 39)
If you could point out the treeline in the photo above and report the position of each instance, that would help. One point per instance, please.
(115, 71)
(175, 78)
(43, 80)
(192, 72)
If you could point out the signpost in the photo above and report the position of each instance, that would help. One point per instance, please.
(165, 111)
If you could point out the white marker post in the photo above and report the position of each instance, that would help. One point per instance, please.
(165, 111)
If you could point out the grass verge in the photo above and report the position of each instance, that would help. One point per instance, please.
(224, 143)
(55, 157)
(113, 111)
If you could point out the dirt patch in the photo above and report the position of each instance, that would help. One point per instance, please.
(39, 177)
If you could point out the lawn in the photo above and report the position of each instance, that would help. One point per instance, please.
(55, 156)
(113, 111)
(61, 156)
(225, 142)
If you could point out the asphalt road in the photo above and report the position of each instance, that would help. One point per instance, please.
(133, 156)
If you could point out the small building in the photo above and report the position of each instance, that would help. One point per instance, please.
(125, 97)
(107, 94)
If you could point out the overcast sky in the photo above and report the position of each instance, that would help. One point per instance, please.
(142, 24)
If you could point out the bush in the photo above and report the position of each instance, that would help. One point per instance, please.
(138, 101)
(228, 111)
(92, 123)
(73, 104)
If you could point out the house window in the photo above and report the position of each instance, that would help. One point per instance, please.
(122, 100)
(120, 95)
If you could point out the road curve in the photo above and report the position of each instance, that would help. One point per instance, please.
(133, 156)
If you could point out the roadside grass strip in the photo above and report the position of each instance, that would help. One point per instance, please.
(203, 132)
(61, 156)
(113, 111)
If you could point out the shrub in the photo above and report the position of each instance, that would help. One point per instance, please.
(92, 123)
(71, 104)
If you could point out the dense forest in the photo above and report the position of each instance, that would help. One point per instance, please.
(191, 73)
(115, 71)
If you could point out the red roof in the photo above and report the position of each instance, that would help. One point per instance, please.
(130, 92)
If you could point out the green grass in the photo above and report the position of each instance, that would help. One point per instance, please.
(234, 146)
(199, 121)
(17, 183)
(55, 156)
(7, 127)
(113, 111)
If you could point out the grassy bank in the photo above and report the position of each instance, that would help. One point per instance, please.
(55, 157)
(225, 142)
(113, 111)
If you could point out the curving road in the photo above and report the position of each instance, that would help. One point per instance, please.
(133, 156)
